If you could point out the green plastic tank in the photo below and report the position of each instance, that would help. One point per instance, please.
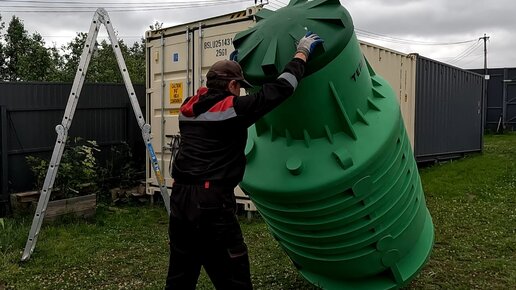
(331, 170)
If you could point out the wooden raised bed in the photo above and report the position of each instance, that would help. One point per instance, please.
(81, 206)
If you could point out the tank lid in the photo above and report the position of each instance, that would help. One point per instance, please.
(265, 49)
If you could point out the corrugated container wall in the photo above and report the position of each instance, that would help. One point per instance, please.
(448, 111)
(501, 99)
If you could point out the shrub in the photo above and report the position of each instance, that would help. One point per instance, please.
(77, 173)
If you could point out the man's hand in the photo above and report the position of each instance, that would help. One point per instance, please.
(308, 43)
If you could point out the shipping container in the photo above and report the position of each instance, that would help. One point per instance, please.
(191, 48)
(448, 120)
(399, 70)
(500, 110)
(178, 58)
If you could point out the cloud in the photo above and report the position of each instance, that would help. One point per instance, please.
(442, 21)
(414, 20)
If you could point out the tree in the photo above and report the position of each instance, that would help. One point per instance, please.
(57, 64)
(103, 66)
(25, 56)
(2, 52)
(156, 26)
(135, 61)
(35, 63)
(15, 41)
(71, 56)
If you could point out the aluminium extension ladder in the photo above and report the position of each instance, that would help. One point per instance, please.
(101, 17)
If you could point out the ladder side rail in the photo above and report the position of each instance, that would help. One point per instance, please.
(137, 111)
(123, 69)
(62, 133)
(80, 74)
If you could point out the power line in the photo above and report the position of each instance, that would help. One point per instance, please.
(146, 6)
(67, 36)
(472, 60)
(468, 51)
(125, 8)
(274, 5)
(282, 3)
(104, 3)
(461, 56)
(388, 38)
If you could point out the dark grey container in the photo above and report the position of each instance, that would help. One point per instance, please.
(448, 117)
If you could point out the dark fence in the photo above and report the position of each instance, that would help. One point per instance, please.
(29, 113)
(448, 111)
(501, 99)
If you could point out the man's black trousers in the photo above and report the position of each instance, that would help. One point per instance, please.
(204, 231)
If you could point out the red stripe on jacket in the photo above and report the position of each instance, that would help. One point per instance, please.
(222, 105)
(187, 109)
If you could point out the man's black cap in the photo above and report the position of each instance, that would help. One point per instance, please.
(228, 70)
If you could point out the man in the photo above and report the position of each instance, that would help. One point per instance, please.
(203, 229)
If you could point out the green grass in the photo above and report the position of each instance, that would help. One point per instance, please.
(124, 248)
(473, 206)
(472, 202)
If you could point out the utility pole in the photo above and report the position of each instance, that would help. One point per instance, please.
(486, 79)
(485, 38)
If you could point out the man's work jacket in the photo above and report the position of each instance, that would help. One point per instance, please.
(213, 127)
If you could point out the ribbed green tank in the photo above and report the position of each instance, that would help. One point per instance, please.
(331, 170)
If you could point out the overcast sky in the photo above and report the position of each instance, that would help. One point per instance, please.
(429, 27)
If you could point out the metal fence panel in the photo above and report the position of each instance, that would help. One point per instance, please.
(510, 113)
(4, 198)
(501, 99)
(494, 99)
(448, 111)
(32, 110)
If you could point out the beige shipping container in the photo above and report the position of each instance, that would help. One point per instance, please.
(399, 70)
(179, 57)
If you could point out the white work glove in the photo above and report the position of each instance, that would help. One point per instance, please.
(307, 44)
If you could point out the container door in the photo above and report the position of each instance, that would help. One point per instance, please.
(170, 73)
(399, 70)
(177, 67)
(408, 94)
